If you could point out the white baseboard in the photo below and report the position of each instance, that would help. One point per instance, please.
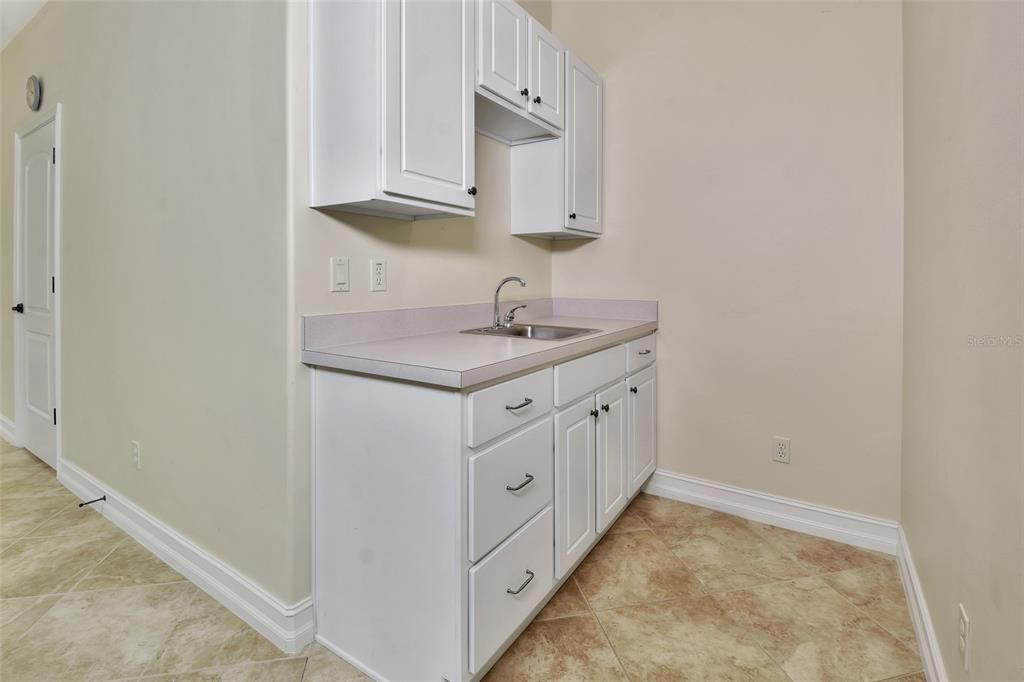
(7, 431)
(931, 655)
(290, 627)
(869, 532)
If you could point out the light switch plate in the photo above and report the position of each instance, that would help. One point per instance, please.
(339, 274)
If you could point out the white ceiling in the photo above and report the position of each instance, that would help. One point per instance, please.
(14, 14)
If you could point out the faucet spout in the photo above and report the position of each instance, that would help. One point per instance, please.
(497, 292)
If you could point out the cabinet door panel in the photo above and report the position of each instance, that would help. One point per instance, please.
(428, 100)
(612, 447)
(583, 146)
(501, 49)
(575, 448)
(547, 71)
(643, 426)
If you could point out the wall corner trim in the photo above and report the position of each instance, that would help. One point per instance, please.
(7, 431)
(881, 535)
(289, 627)
(927, 642)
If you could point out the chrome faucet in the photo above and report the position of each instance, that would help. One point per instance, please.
(497, 292)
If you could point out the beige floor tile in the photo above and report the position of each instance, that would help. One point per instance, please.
(5, 446)
(821, 555)
(689, 639)
(75, 520)
(30, 482)
(916, 677)
(563, 649)
(208, 635)
(672, 519)
(286, 670)
(99, 635)
(630, 520)
(632, 568)
(816, 634)
(129, 565)
(323, 666)
(18, 615)
(14, 458)
(20, 515)
(878, 591)
(37, 566)
(568, 601)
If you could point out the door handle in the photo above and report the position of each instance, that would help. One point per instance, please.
(529, 579)
(20, 308)
(528, 481)
(526, 401)
(646, 351)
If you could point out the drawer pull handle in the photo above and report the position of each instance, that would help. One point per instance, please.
(529, 579)
(646, 351)
(526, 401)
(633, 389)
(529, 479)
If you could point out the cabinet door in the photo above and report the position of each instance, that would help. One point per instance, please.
(582, 146)
(643, 426)
(547, 73)
(428, 100)
(574, 484)
(612, 446)
(501, 49)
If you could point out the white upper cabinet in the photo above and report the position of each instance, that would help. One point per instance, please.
(546, 83)
(392, 107)
(502, 49)
(583, 146)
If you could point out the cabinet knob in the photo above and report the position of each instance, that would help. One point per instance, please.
(536, 100)
(595, 414)
(472, 191)
(572, 216)
(525, 92)
(20, 308)
(605, 407)
(633, 389)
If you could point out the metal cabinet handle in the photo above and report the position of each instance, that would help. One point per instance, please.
(471, 191)
(528, 481)
(526, 401)
(605, 407)
(646, 351)
(572, 216)
(20, 308)
(595, 414)
(633, 389)
(536, 100)
(529, 579)
(525, 92)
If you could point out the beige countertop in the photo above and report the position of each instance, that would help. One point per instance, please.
(455, 360)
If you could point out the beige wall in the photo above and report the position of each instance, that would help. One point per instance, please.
(174, 273)
(752, 185)
(963, 443)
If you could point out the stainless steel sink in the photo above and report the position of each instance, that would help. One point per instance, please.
(542, 332)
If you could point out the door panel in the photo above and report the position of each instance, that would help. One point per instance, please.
(612, 447)
(547, 69)
(575, 448)
(643, 426)
(36, 396)
(428, 100)
(583, 146)
(501, 49)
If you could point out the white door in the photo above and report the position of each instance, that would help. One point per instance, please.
(35, 402)
(547, 69)
(428, 101)
(643, 426)
(501, 50)
(612, 447)
(583, 102)
(574, 484)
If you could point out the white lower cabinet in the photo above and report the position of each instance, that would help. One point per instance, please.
(445, 520)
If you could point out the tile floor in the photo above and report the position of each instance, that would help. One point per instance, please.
(673, 592)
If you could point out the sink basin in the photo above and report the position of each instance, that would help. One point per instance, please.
(542, 332)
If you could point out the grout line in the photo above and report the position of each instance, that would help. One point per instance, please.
(601, 626)
(212, 668)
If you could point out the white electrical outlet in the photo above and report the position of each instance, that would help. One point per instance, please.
(781, 453)
(965, 631)
(339, 274)
(136, 450)
(378, 275)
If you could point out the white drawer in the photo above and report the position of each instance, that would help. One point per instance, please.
(640, 353)
(498, 409)
(576, 378)
(494, 612)
(524, 461)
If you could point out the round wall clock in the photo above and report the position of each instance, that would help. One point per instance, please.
(34, 93)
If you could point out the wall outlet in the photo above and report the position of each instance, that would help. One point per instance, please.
(339, 274)
(378, 275)
(965, 631)
(781, 452)
(136, 451)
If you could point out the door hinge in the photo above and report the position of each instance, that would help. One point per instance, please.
(55, 416)
(54, 149)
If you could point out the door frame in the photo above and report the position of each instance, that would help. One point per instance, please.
(54, 115)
